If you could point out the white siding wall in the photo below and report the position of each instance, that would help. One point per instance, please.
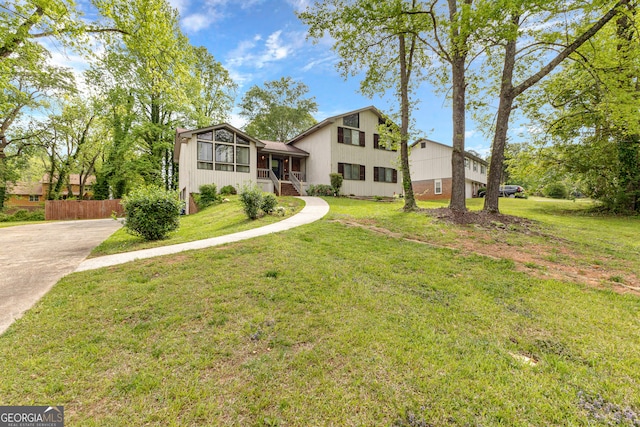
(191, 178)
(431, 162)
(325, 153)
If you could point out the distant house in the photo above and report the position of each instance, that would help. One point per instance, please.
(31, 195)
(25, 195)
(430, 164)
(347, 144)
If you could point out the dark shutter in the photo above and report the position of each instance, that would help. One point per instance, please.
(395, 176)
(341, 168)
(375, 173)
(376, 140)
(341, 135)
(361, 139)
(362, 170)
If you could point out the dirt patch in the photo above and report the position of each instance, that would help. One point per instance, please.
(482, 219)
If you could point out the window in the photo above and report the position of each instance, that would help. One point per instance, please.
(241, 140)
(466, 163)
(350, 136)
(376, 144)
(224, 167)
(224, 153)
(437, 186)
(381, 174)
(352, 120)
(242, 159)
(205, 155)
(207, 135)
(34, 198)
(224, 135)
(483, 169)
(423, 145)
(351, 172)
(475, 166)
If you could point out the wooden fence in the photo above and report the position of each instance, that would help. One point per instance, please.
(82, 209)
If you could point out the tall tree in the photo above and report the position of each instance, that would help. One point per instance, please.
(279, 110)
(520, 45)
(379, 38)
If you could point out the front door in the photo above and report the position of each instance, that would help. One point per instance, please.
(276, 167)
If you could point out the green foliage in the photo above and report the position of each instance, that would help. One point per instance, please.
(556, 190)
(208, 196)
(251, 199)
(151, 212)
(336, 182)
(23, 215)
(269, 202)
(278, 111)
(320, 190)
(228, 190)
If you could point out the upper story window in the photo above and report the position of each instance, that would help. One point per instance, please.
(466, 163)
(483, 169)
(34, 198)
(376, 144)
(475, 166)
(350, 136)
(224, 135)
(423, 144)
(241, 140)
(206, 136)
(352, 120)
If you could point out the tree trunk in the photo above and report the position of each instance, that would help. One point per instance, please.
(502, 126)
(409, 199)
(458, 196)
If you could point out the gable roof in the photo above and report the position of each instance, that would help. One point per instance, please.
(23, 188)
(74, 179)
(466, 153)
(183, 135)
(281, 147)
(330, 120)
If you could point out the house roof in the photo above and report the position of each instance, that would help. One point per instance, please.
(23, 188)
(330, 120)
(74, 179)
(282, 148)
(466, 153)
(183, 135)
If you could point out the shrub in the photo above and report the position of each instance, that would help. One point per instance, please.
(228, 190)
(23, 215)
(251, 199)
(336, 182)
(208, 196)
(151, 212)
(556, 190)
(320, 190)
(269, 202)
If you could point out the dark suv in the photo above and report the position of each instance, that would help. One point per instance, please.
(505, 191)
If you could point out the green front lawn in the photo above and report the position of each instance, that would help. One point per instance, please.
(361, 318)
(217, 220)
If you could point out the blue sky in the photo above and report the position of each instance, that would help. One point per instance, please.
(262, 40)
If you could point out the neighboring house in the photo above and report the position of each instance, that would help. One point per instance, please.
(74, 186)
(430, 164)
(31, 195)
(347, 144)
(24, 195)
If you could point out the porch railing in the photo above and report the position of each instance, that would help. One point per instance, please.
(263, 173)
(293, 177)
(299, 175)
(276, 182)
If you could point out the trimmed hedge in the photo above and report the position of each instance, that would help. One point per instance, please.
(151, 212)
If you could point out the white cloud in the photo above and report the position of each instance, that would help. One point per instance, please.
(196, 22)
(470, 133)
(236, 120)
(180, 5)
(253, 53)
(321, 63)
(299, 5)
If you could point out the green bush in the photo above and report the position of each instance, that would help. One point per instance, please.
(556, 190)
(208, 196)
(23, 215)
(151, 212)
(269, 202)
(320, 190)
(336, 182)
(228, 190)
(251, 199)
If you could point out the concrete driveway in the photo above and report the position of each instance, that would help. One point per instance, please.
(34, 257)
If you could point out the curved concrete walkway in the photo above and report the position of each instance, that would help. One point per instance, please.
(315, 208)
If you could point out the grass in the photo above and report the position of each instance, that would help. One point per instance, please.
(334, 324)
(5, 224)
(217, 220)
